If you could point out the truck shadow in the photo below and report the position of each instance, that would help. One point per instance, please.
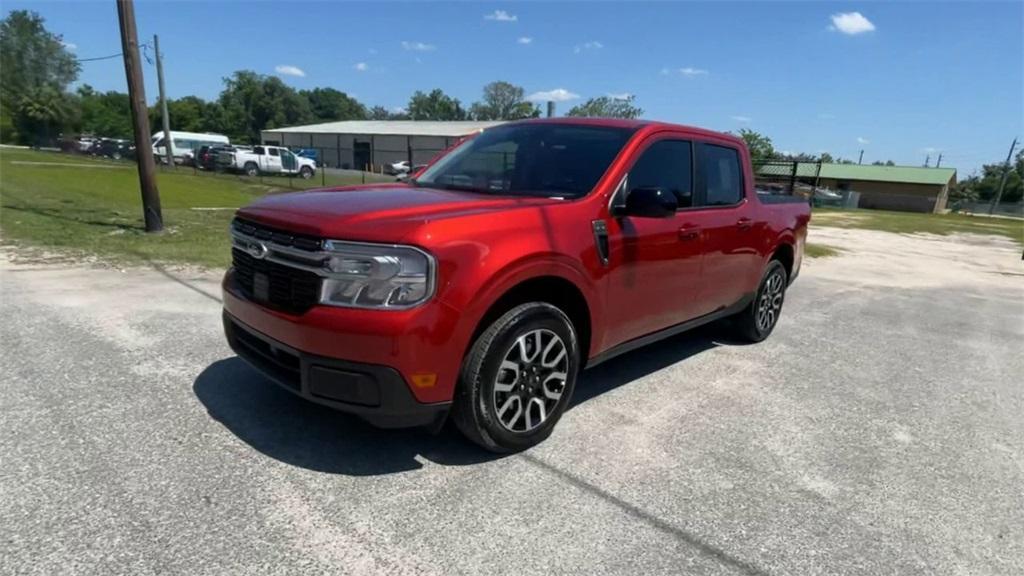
(301, 433)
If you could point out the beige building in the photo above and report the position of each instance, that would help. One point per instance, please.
(907, 188)
(357, 144)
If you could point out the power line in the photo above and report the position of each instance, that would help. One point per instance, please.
(118, 55)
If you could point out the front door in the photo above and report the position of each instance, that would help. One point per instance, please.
(273, 159)
(654, 263)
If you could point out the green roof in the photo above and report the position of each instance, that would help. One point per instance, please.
(904, 174)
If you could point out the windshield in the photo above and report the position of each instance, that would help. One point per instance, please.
(529, 159)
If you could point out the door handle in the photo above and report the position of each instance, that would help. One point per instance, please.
(688, 233)
(744, 223)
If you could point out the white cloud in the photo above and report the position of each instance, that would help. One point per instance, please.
(288, 70)
(742, 119)
(851, 23)
(863, 140)
(362, 66)
(620, 95)
(501, 16)
(418, 46)
(398, 110)
(69, 45)
(591, 46)
(688, 71)
(556, 95)
(929, 150)
(524, 40)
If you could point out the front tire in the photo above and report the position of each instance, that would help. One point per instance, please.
(518, 378)
(306, 172)
(757, 321)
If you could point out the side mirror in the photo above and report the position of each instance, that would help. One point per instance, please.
(650, 203)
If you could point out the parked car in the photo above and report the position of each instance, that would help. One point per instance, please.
(481, 288)
(406, 175)
(115, 148)
(397, 168)
(311, 153)
(206, 155)
(266, 160)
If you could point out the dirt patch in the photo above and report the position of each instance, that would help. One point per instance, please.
(874, 258)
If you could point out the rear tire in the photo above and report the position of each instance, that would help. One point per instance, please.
(306, 172)
(518, 378)
(757, 321)
(251, 169)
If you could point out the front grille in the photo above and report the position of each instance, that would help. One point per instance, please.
(273, 284)
(299, 241)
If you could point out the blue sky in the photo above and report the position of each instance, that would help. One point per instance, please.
(899, 80)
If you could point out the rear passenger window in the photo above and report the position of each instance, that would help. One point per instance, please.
(666, 164)
(720, 171)
(273, 151)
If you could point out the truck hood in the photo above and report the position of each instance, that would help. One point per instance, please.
(379, 213)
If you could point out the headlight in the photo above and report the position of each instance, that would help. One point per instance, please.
(376, 276)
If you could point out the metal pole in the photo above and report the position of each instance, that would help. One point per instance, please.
(861, 159)
(1002, 182)
(168, 152)
(140, 117)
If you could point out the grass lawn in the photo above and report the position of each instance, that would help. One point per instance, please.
(911, 222)
(812, 250)
(95, 208)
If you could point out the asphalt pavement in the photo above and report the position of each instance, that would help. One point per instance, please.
(880, 430)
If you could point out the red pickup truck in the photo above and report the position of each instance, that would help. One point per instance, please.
(484, 284)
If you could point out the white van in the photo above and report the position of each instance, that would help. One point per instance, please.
(184, 144)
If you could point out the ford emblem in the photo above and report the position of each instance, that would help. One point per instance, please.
(257, 250)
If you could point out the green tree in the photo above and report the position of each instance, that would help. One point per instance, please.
(503, 101)
(33, 62)
(253, 102)
(760, 146)
(328, 104)
(42, 114)
(607, 107)
(880, 163)
(435, 106)
(826, 158)
(104, 113)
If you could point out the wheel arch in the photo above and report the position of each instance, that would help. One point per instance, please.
(554, 289)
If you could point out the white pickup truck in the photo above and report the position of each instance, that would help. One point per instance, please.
(266, 160)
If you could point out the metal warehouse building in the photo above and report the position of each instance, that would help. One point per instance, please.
(357, 144)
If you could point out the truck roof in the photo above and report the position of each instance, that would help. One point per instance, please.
(631, 124)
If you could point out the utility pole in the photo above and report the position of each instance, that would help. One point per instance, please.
(1002, 182)
(140, 117)
(939, 161)
(168, 150)
(861, 159)
(927, 160)
(551, 108)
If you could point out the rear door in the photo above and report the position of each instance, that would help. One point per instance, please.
(729, 227)
(654, 263)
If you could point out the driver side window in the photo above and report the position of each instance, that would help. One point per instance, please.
(666, 164)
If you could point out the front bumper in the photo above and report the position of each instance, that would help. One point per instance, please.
(376, 393)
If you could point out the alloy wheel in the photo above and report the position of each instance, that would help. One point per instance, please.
(530, 380)
(770, 303)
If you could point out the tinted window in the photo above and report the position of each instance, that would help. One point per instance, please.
(272, 151)
(258, 150)
(720, 170)
(666, 164)
(544, 159)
